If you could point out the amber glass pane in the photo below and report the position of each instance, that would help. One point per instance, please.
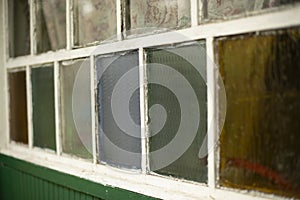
(43, 107)
(19, 30)
(260, 141)
(76, 108)
(159, 14)
(120, 145)
(51, 25)
(18, 107)
(225, 8)
(189, 62)
(96, 20)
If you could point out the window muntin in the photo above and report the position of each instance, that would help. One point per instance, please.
(43, 114)
(260, 140)
(18, 107)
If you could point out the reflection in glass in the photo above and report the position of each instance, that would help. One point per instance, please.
(164, 103)
(19, 29)
(76, 108)
(119, 129)
(159, 14)
(42, 80)
(260, 140)
(51, 25)
(96, 20)
(225, 8)
(18, 107)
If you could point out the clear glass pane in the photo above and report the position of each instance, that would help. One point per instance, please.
(119, 110)
(42, 79)
(51, 25)
(19, 29)
(18, 107)
(159, 14)
(96, 20)
(224, 8)
(76, 108)
(177, 100)
(260, 140)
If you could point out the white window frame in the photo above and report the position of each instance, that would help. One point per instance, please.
(144, 183)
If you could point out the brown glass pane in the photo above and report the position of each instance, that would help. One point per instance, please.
(224, 8)
(18, 107)
(159, 14)
(96, 20)
(19, 29)
(76, 108)
(51, 25)
(260, 141)
(42, 79)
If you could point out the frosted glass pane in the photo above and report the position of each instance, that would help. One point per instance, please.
(119, 110)
(177, 103)
(42, 79)
(96, 20)
(260, 140)
(159, 14)
(76, 108)
(18, 107)
(19, 29)
(51, 25)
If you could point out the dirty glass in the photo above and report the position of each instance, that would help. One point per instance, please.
(96, 20)
(177, 100)
(158, 14)
(260, 140)
(76, 108)
(50, 25)
(118, 102)
(19, 29)
(18, 107)
(216, 9)
(42, 80)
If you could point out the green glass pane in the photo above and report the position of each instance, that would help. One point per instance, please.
(260, 141)
(76, 108)
(19, 29)
(18, 107)
(51, 25)
(96, 21)
(158, 14)
(171, 73)
(42, 79)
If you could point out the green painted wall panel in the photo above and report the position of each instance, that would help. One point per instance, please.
(26, 181)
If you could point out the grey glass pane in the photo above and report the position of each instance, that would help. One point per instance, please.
(51, 25)
(225, 8)
(19, 29)
(96, 20)
(177, 107)
(260, 141)
(159, 14)
(76, 108)
(18, 107)
(119, 110)
(42, 79)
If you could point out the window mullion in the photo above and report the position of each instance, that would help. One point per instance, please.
(194, 13)
(93, 108)
(33, 42)
(57, 108)
(69, 24)
(211, 115)
(29, 106)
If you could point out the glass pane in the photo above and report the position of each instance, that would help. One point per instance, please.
(177, 100)
(260, 140)
(51, 25)
(76, 108)
(159, 14)
(19, 29)
(225, 8)
(119, 110)
(18, 107)
(43, 107)
(96, 20)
